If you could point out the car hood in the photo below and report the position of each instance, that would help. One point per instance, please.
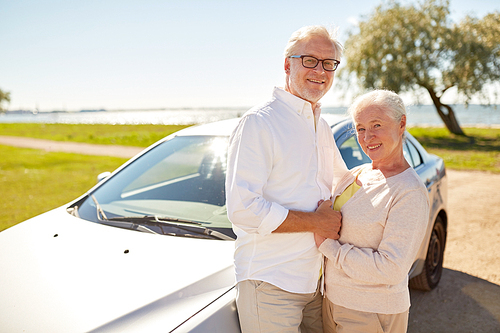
(60, 273)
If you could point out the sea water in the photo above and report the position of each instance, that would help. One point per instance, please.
(418, 115)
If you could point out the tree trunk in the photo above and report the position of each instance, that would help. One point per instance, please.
(446, 114)
(449, 119)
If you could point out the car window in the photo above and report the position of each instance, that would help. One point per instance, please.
(411, 154)
(182, 178)
(352, 153)
(188, 161)
(415, 155)
(407, 155)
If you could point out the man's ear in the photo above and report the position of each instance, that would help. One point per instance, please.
(287, 66)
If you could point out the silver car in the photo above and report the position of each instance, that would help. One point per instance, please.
(150, 248)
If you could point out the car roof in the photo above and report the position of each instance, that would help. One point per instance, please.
(226, 127)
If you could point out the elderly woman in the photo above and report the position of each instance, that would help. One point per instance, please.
(385, 210)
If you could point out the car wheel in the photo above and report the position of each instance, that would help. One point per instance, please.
(433, 268)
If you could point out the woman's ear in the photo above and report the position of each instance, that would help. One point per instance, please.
(402, 124)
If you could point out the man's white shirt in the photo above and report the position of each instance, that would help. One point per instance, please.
(282, 156)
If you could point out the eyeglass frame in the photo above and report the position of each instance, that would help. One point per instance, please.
(318, 61)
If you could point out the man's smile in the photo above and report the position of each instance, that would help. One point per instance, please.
(316, 81)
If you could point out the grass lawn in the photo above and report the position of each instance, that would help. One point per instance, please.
(34, 181)
(125, 135)
(479, 150)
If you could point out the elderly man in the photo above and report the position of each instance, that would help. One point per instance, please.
(282, 161)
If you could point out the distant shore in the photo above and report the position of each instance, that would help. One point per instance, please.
(221, 108)
(418, 115)
(495, 126)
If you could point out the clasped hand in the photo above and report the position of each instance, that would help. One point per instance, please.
(329, 222)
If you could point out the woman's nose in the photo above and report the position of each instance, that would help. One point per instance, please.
(368, 135)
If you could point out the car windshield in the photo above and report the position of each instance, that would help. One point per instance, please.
(181, 179)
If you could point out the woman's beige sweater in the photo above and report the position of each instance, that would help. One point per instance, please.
(383, 226)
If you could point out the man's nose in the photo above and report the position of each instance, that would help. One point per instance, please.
(319, 67)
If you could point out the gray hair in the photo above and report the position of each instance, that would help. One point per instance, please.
(386, 100)
(307, 32)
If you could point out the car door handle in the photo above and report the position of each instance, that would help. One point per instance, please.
(429, 185)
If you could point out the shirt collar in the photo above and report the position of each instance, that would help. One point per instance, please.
(297, 104)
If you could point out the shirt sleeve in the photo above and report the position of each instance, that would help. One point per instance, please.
(391, 261)
(250, 160)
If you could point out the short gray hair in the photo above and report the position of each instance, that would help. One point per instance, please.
(385, 99)
(307, 32)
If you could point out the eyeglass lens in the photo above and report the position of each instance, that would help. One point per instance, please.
(311, 62)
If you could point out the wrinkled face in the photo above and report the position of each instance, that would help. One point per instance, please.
(379, 134)
(310, 84)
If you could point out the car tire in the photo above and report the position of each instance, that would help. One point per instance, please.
(433, 267)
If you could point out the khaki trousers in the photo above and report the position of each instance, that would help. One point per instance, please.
(263, 307)
(337, 319)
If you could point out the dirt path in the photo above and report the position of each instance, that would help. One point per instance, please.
(473, 243)
(70, 147)
(468, 296)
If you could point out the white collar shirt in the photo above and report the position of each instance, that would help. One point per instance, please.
(279, 160)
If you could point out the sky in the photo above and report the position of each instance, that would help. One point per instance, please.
(71, 55)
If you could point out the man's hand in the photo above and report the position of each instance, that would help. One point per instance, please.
(328, 221)
(324, 221)
(319, 240)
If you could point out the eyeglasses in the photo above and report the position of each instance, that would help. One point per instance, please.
(311, 62)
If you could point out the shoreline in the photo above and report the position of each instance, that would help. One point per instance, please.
(408, 125)
(418, 116)
(409, 106)
(493, 126)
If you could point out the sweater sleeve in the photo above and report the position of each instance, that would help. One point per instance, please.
(391, 261)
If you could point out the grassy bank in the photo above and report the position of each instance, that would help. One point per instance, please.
(34, 181)
(479, 150)
(125, 135)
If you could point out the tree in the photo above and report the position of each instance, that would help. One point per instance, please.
(4, 96)
(415, 47)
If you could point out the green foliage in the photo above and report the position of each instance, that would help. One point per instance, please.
(4, 96)
(477, 54)
(417, 48)
(401, 48)
(126, 135)
(34, 181)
